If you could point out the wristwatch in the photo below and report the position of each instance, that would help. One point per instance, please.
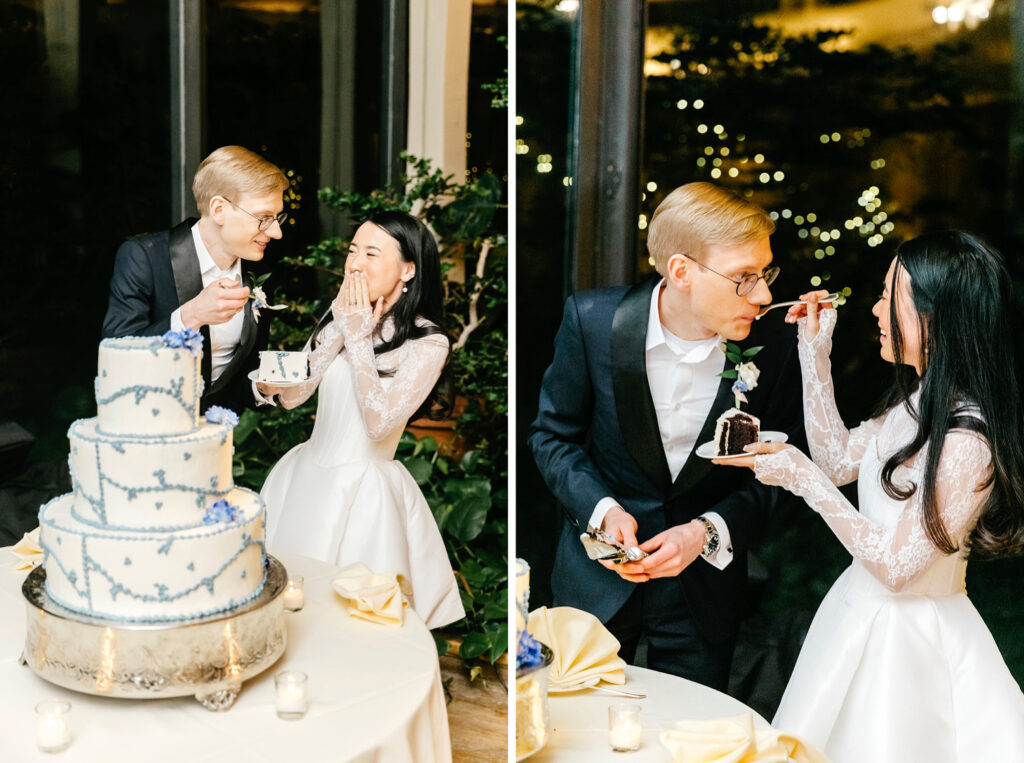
(711, 539)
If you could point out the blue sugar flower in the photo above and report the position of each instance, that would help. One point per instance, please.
(528, 654)
(190, 339)
(222, 511)
(217, 415)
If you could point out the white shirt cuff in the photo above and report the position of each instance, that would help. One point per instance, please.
(176, 324)
(601, 509)
(721, 558)
(260, 400)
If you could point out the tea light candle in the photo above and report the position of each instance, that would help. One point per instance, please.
(53, 729)
(294, 599)
(624, 729)
(292, 701)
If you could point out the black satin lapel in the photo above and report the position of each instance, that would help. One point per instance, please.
(245, 344)
(188, 280)
(634, 407)
(696, 467)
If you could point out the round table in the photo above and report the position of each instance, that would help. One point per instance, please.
(579, 720)
(374, 694)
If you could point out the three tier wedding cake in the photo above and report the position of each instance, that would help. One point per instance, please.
(155, 529)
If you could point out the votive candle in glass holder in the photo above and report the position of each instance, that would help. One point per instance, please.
(53, 725)
(294, 599)
(624, 729)
(292, 694)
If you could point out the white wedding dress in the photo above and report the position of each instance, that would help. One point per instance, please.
(340, 496)
(898, 666)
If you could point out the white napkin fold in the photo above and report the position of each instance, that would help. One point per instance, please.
(377, 597)
(584, 650)
(28, 551)
(735, 740)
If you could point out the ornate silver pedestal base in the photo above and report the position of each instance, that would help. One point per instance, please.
(208, 658)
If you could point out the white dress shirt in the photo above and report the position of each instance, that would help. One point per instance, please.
(224, 337)
(684, 378)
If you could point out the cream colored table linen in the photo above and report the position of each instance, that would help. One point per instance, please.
(375, 695)
(579, 720)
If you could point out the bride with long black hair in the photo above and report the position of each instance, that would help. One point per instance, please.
(898, 665)
(378, 359)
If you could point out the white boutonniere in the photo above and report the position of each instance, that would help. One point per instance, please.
(744, 372)
(259, 297)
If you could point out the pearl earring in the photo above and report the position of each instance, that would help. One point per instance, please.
(405, 290)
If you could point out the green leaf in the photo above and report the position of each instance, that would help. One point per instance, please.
(752, 351)
(429, 444)
(496, 610)
(734, 357)
(473, 645)
(500, 643)
(441, 643)
(731, 373)
(237, 469)
(441, 515)
(468, 517)
(442, 465)
(420, 469)
(470, 460)
(247, 424)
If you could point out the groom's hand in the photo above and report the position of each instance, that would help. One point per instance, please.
(671, 551)
(620, 525)
(217, 303)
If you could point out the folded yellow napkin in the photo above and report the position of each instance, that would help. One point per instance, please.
(583, 648)
(379, 598)
(735, 740)
(28, 551)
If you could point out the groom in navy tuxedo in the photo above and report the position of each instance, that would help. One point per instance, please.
(191, 276)
(633, 389)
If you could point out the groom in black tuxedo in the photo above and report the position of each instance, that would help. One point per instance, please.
(633, 389)
(191, 275)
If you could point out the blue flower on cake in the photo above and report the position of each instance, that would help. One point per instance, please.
(189, 339)
(222, 511)
(215, 414)
(528, 652)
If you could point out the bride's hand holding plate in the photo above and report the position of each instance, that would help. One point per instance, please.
(754, 449)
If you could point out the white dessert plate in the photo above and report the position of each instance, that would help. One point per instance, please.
(255, 376)
(707, 450)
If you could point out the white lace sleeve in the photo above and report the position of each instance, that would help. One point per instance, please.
(331, 341)
(894, 555)
(835, 449)
(415, 367)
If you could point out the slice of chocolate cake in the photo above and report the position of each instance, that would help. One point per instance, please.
(733, 430)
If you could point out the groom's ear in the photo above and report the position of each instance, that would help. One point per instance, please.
(677, 271)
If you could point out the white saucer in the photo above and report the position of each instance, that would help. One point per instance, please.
(255, 376)
(707, 450)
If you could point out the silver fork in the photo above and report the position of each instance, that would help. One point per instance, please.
(827, 298)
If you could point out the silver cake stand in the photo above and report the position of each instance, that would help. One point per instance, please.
(208, 658)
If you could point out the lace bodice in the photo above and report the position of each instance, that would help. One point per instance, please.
(386, 401)
(887, 536)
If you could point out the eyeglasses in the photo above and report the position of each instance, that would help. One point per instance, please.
(265, 221)
(748, 282)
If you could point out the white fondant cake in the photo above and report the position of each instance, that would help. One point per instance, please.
(277, 366)
(155, 529)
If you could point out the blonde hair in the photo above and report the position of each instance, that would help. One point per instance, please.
(234, 171)
(697, 215)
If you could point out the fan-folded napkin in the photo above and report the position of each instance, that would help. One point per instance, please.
(28, 551)
(735, 740)
(583, 648)
(377, 597)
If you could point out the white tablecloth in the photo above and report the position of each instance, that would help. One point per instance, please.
(579, 720)
(375, 694)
